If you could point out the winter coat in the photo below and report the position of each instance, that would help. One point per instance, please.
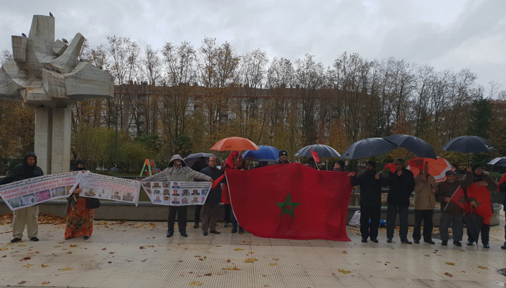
(370, 188)
(23, 171)
(502, 188)
(446, 189)
(183, 173)
(424, 198)
(214, 196)
(400, 189)
(470, 178)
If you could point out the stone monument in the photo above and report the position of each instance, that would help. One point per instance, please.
(49, 76)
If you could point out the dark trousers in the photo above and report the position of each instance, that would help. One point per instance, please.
(457, 223)
(181, 218)
(485, 234)
(228, 208)
(426, 216)
(197, 213)
(403, 218)
(366, 213)
(209, 216)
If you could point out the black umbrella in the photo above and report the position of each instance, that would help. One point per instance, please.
(198, 161)
(368, 147)
(468, 144)
(499, 161)
(322, 150)
(413, 144)
(473, 224)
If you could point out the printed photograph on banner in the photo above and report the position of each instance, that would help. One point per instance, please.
(195, 192)
(59, 191)
(166, 200)
(186, 192)
(157, 185)
(28, 200)
(184, 201)
(195, 200)
(104, 193)
(204, 191)
(157, 200)
(147, 184)
(43, 195)
(116, 195)
(127, 196)
(157, 192)
(176, 193)
(203, 200)
(15, 202)
(175, 185)
(88, 192)
(166, 192)
(175, 201)
(148, 191)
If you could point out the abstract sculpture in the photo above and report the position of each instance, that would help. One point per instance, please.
(47, 75)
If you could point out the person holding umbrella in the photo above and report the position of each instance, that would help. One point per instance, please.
(451, 213)
(210, 208)
(370, 201)
(402, 184)
(178, 171)
(425, 202)
(476, 175)
(339, 166)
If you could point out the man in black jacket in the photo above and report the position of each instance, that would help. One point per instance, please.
(402, 184)
(28, 215)
(209, 212)
(451, 213)
(370, 201)
(283, 157)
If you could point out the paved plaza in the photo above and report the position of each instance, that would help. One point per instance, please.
(137, 254)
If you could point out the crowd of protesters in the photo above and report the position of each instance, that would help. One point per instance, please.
(402, 184)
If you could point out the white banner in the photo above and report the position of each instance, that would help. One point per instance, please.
(177, 193)
(33, 191)
(109, 188)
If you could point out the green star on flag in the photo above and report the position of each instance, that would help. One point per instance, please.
(288, 206)
(462, 200)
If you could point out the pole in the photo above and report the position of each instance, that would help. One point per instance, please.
(116, 152)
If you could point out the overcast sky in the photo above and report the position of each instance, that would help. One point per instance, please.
(445, 34)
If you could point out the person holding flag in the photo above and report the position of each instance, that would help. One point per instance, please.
(425, 202)
(502, 188)
(478, 187)
(452, 198)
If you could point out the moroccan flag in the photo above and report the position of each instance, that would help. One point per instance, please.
(291, 201)
(231, 159)
(503, 179)
(417, 163)
(459, 197)
(315, 156)
(218, 181)
(390, 166)
(481, 196)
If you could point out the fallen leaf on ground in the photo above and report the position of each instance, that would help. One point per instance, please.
(264, 275)
(450, 263)
(250, 260)
(275, 259)
(228, 261)
(266, 285)
(142, 247)
(3, 249)
(66, 269)
(219, 274)
(197, 256)
(343, 271)
(333, 274)
(483, 267)
(461, 250)
(28, 265)
(70, 252)
(44, 266)
(104, 248)
(196, 283)
(22, 282)
(448, 274)
(273, 264)
(73, 245)
(26, 258)
(45, 282)
(234, 268)
(150, 246)
(57, 246)
(238, 249)
(112, 252)
(144, 260)
(208, 274)
(251, 252)
(344, 252)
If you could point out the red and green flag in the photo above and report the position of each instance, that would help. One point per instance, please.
(391, 166)
(459, 197)
(481, 196)
(315, 156)
(291, 201)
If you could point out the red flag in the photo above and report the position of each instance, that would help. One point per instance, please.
(481, 196)
(459, 197)
(503, 179)
(315, 156)
(231, 159)
(417, 163)
(217, 181)
(391, 166)
(291, 201)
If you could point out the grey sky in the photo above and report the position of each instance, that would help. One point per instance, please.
(445, 34)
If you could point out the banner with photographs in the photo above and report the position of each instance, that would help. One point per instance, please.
(109, 188)
(177, 193)
(33, 191)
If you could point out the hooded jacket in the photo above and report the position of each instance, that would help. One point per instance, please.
(424, 198)
(24, 171)
(183, 173)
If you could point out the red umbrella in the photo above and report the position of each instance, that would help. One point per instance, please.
(437, 167)
(234, 144)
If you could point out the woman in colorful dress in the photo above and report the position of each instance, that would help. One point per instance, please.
(79, 217)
